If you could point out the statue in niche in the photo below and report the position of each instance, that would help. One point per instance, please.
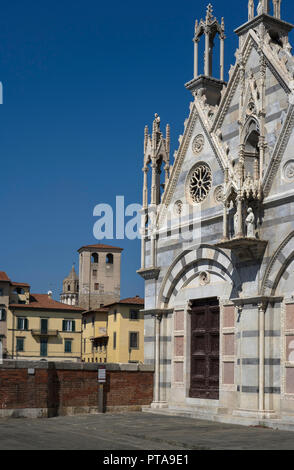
(250, 223)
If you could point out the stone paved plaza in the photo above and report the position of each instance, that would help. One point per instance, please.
(136, 431)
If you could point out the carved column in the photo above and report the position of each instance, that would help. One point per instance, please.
(153, 251)
(222, 56)
(196, 52)
(225, 223)
(152, 232)
(157, 359)
(154, 180)
(266, 6)
(207, 55)
(144, 217)
(145, 187)
(256, 169)
(210, 55)
(277, 9)
(261, 310)
(240, 216)
(250, 10)
(262, 115)
(167, 146)
(143, 239)
(242, 155)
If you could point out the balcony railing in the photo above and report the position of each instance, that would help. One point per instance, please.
(45, 332)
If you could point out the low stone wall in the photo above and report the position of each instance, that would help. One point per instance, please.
(47, 389)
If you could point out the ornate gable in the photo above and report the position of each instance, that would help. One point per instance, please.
(236, 133)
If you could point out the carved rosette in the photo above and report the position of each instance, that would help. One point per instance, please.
(219, 194)
(198, 144)
(288, 171)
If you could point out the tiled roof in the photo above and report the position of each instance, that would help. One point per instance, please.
(97, 310)
(19, 284)
(129, 301)
(72, 275)
(4, 277)
(101, 247)
(44, 302)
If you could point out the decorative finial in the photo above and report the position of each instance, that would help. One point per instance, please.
(196, 26)
(209, 12)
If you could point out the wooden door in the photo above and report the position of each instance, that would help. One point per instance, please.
(205, 350)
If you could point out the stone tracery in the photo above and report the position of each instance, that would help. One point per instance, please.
(200, 183)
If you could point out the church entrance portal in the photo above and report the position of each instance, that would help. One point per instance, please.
(205, 318)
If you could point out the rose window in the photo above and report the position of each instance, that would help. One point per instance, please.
(200, 183)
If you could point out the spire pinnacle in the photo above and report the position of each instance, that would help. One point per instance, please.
(209, 28)
(209, 13)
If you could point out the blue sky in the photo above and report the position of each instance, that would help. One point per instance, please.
(81, 79)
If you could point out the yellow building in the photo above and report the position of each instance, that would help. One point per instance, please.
(37, 327)
(114, 333)
(94, 335)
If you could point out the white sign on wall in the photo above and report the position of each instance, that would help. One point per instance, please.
(102, 376)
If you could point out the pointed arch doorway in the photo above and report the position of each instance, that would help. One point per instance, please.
(205, 333)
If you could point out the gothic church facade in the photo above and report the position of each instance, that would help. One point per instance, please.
(218, 231)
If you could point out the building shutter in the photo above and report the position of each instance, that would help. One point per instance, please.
(43, 348)
(73, 326)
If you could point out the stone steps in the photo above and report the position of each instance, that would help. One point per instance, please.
(213, 414)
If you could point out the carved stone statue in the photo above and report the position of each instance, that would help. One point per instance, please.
(250, 10)
(250, 223)
(157, 122)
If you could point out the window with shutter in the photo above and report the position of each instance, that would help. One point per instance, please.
(19, 344)
(69, 325)
(134, 340)
(44, 326)
(134, 314)
(44, 348)
(67, 346)
(22, 324)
